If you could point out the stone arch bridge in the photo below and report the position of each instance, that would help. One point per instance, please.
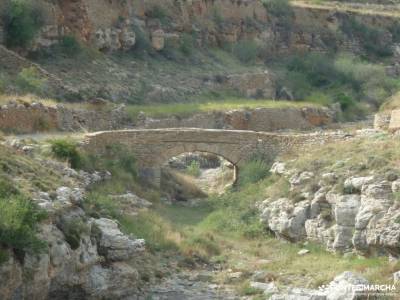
(154, 147)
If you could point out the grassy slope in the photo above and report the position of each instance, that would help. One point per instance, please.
(185, 109)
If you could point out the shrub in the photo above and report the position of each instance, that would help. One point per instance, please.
(281, 11)
(218, 18)
(3, 83)
(7, 188)
(116, 159)
(70, 45)
(186, 45)
(157, 12)
(73, 231)
(30, 80)
(23, 20)
(143, 43)
(246, 51)
(19, 218)
(66, 150)
(371, 38)
(253, 171)
(98, 205)
(194, 169)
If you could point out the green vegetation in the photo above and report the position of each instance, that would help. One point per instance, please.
(343, 79)
(246, 51)
(187, 44)
(29, 80)
(371, 38)
(158, 12)
(185, 109)
(23, 20)
(282, 12)
(117, 159)
(254, 171)
(70, 46)
(66, 150)
(194, 169)
(73, 231)
(19, 218)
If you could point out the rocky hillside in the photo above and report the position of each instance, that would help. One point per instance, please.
(50, 248)
(333, 196)
(185, 51)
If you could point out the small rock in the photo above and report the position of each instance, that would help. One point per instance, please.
(303, 252)
(259, 276)
(267, 288)
(396, 277)
(234, 277)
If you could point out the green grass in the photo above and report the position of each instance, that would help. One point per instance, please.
(186, 109)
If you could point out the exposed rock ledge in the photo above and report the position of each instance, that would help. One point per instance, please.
(364, 218)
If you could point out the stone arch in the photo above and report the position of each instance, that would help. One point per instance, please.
(235, 164)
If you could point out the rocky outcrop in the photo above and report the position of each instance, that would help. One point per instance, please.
(362, 217)
(346, 286)
(85, 258)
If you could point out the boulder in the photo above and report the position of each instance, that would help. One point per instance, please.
(278, 168)
(267, 288)
(344, 287)
(285, 219)
(355, 184)
(67, 195)
(112, 243)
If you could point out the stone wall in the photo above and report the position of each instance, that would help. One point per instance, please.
(388, 120)
(19, 118)
(261, 119)
(24, 118)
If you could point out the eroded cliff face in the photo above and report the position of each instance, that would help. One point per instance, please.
(113, 25)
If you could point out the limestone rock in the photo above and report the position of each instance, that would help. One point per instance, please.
(343, 287)
(356, 183)
(158, 39)
(117, 281)
(113, 244)
(267, 288)
(285, 219)
(278, 168)
(67, 195)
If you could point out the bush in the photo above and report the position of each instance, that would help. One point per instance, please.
(371, 38)
(7, 188)
(19, 218)
(23, 20)
(194, 169)
(67, 150)
(70, 45)
(117, 159)
(253, 171)
(281, 11)
(246, 51)
(186, 45)
(143, 43)
(73, 231)
(29, 80)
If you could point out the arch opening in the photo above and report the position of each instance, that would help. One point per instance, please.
(192, 176)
